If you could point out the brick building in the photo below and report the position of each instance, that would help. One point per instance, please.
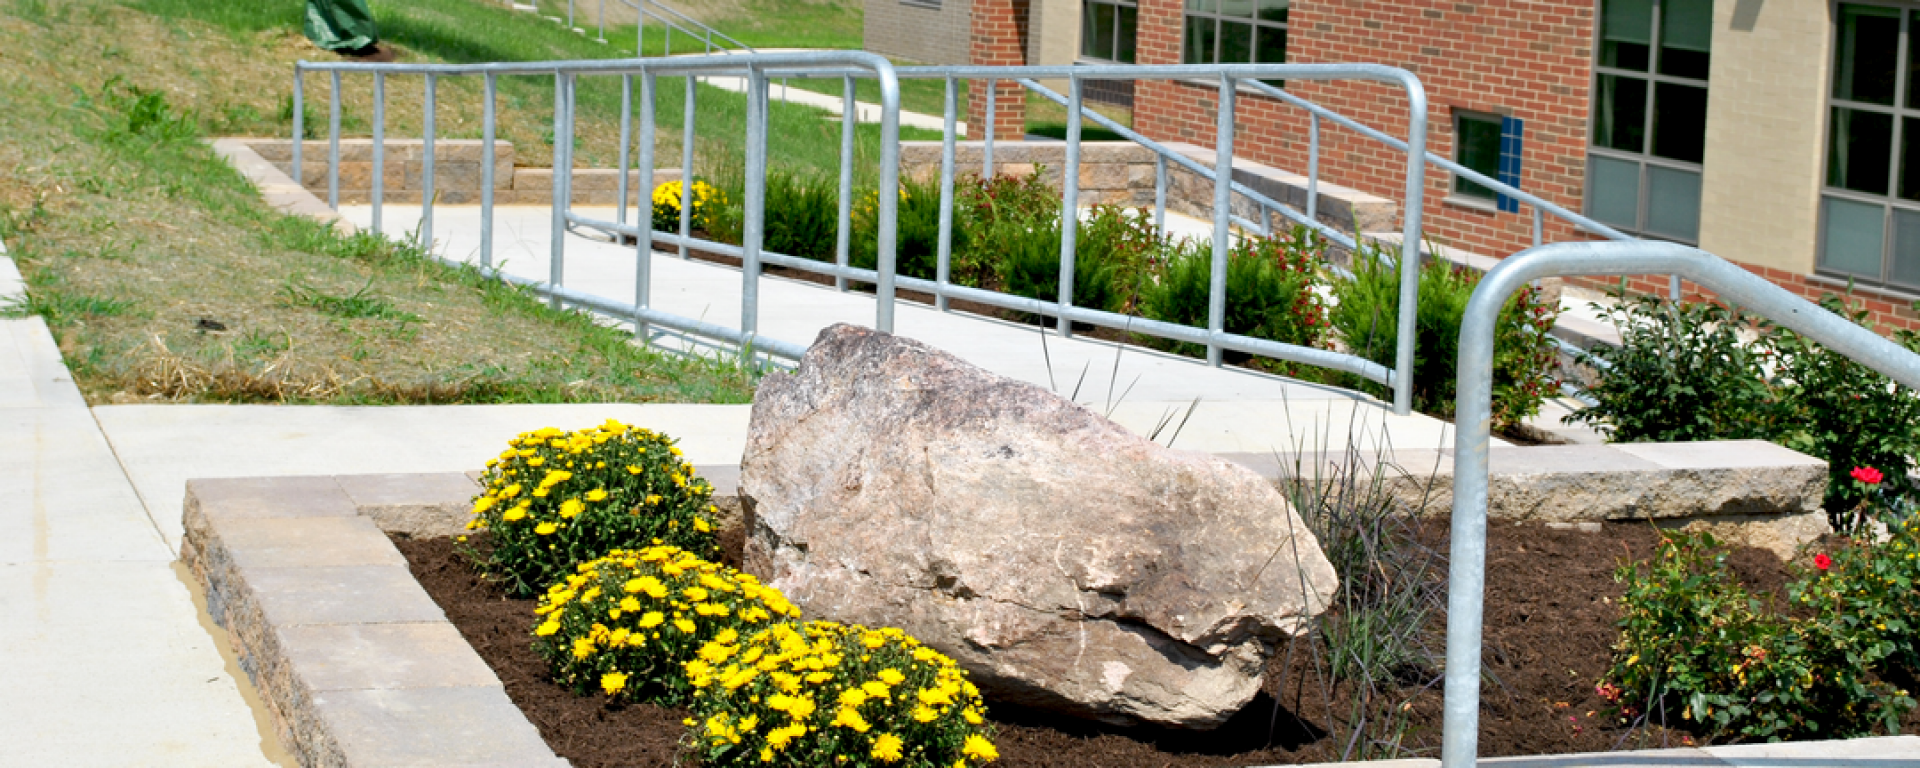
(1769, 132)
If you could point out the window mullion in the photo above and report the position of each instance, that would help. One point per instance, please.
(1893, 152)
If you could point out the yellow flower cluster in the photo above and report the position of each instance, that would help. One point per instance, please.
(666, 205)
(824, 693)
(635, 617)
(554, 498)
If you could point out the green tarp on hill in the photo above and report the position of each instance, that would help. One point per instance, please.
(341, 26)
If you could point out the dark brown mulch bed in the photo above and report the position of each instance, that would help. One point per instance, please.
(1549, 625)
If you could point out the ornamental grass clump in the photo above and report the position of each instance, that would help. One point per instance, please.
(625, 624)
(555, 499)
(823, 693)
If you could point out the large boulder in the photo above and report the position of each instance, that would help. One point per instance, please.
(1066, 563)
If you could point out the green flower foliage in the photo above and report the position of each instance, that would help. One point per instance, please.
(1272, 292)
(833, 694)
(1697, 652)
(1680, 373)
(556, 499)
(626, 623)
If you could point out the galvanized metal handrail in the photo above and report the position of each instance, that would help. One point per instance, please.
(1466, 590)
(1230, 78)
(752, 65)
(705, 35)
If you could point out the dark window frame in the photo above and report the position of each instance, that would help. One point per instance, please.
(1122, 37)
(1477, 192)
(1903, 115)
(1189, 16)
(1646, 161)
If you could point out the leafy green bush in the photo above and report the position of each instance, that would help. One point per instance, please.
(1271, 292)
(555, 499)
(832, 694)
(994, 211)
(1366, 314)
(1681, 372)
(1031, 268)
(1846, 413)
(1698, 652)
(917, 248)
(625, 624)
(802, 216)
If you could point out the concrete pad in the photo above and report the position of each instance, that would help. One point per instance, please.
(274, 440)
(341, 595)
(1649, 758)
(430, 727)
(343, 657)
(105, 663)
(66, 498)
(1876, 752)
(32, 374)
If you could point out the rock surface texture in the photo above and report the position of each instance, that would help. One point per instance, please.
(1065, 562)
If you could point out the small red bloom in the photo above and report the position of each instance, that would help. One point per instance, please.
(1868, 475)
(1822, 562)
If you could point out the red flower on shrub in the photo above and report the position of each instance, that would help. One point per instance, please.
(1822, 562)
(1868, 475)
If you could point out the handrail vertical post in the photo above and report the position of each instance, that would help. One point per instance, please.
(1410, 246)
(889, 228)
(377, 180)
(1159, 195)
(691, 104)
(944, 269)
(297, 168)
(753, 232)
(333, 143)
(1539, 226)
(643, 212)
(562, 173)
(1313, 166)
(986, 144)
(1069, 204)
(626, 141)
(1222, 216)
(640, 29)
(487, 130)
(843, 234)
(426, 166)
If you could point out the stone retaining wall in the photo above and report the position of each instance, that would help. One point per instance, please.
(1122, 173)
(456, 173)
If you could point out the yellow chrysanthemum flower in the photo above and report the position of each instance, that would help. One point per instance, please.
(612, 682)
(886, 748)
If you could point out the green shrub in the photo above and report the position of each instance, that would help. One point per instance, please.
(1698, 652)
(802, 216)
(1366, 314)
(1680, 373)
(917, 246)
(830, 694)
(1270, 292)
(625, 624)
(1846, 413)
(555, 499)
(1030, 267)
(993, 211)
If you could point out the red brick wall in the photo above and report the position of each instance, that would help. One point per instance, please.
(1887, 312)
(1529, 59)
(999, 39)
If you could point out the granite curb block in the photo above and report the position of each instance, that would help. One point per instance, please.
(356, 664)
(1750, 492)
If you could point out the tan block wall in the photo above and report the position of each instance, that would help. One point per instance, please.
(918, 33)
(1766, 128)
(456, 173)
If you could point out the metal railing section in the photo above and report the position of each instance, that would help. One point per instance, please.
(1466, 592)
(753, 66)
(1230, 78)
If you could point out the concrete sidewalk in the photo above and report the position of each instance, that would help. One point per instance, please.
(105, 659)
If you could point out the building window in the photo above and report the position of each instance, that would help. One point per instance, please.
(1650, 116)
(1107, 30)
(1870, 208)
(1235, 32)
(1476, 145)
